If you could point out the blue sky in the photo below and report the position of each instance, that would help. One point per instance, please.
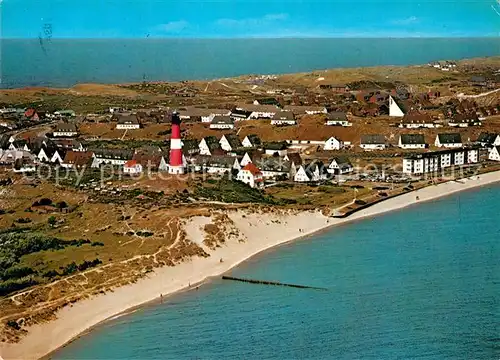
(249, 18)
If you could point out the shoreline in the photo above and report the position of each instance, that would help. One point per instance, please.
(262, 232)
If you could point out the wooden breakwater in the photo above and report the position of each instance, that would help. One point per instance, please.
(273, 283)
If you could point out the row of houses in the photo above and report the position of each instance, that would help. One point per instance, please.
(411, 141)
(431, 162)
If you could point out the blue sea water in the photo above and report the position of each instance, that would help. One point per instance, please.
(63, 62)
(420, 283)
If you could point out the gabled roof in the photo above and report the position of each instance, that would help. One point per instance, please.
(465, 118)
(128, 119)
(254, 139)
(274, 164)
(130, 163)
(312, 166)
(120, 154)
(222, 120)
(241, 113)
(372, 139)
(294, 158)
(417, 117)
(189, 144)
(276, 145)
(252, 169)
(78, 158)
(233, 141)
(212, 142)
(337, 115)
(66, 127)
(342, 161)
(412, 139)
(451, 138)
(284, 115)
(487, 138)
(224, 161)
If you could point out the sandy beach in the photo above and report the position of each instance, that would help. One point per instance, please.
(257, 232)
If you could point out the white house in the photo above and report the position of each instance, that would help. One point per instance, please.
(132, 167)
(58, 156)
(115, 157)
(128, 122)
(245, 160)
(394, 108)
(494, 153)
(229, 142)
(222, 123)
(488, 139)
(309, 110)
(464, 120)
(275, 167)
(65, 130)
(453, 140)
(312, 172)
(251, 176)
(418, 119)
(76, 159)
(220, 164)
(276, 148)
(208, 145)
(372, 142)
(283, 118)
(24, 166)
(251, 140)
(340, 166)
(20, 145)
(333, 144)
(411, 141)
(337, 118)
(429, 162)
(211, 113)
(42, 154)
(260, 111)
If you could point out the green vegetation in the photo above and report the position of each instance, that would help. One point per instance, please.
(18, 242)
(229, 191)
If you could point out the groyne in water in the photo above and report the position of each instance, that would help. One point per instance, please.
(273, 283)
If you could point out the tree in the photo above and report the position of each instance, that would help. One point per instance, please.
(52, 220)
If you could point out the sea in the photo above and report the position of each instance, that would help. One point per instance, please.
(419, 283)
(66, 62)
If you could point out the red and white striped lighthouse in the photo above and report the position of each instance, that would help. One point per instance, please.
(176, 165)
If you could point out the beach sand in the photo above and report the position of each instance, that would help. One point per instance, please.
(258, 232)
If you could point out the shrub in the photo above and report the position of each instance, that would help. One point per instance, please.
(52, 220)
(45, 202)
(97, 243)
(50, 274)
(12, 285)
(61, 205)
(23, 220)
(16, 273)
(13, 324)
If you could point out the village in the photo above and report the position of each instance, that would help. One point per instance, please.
(111, 182)
(328, 133)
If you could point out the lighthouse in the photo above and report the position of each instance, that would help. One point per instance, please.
(176, 165)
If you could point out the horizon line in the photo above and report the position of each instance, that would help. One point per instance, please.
(255, 37)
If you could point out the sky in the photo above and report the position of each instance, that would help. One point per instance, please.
(248, 18)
